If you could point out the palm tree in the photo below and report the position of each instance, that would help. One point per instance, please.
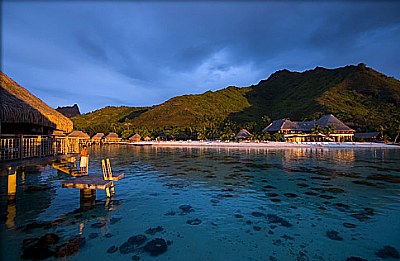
(277, 136)
(382, 128)
(317, 129)
(397, 130)
(266, 120)
(329, 129)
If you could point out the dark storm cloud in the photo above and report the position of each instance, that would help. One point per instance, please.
(142, 53)
(342, 27)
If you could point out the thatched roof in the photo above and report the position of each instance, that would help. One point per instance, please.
(243, 134)
(329, 119)
(135, 137)
(78, 134)
(147, 138)
(282, 124)
(18, 105)
(98, 135)
(324, 121)
(111, 135)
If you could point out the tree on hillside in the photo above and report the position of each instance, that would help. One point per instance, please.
(126, 134)
(266, 120)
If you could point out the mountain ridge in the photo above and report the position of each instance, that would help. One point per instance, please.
(356, 94)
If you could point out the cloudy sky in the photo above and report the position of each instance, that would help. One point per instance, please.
(140, 53)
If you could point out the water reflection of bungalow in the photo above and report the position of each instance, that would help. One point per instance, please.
(135, 138)
(243, 134)
(328, 127)
(97, 139)
(291, 155)
(112, 137)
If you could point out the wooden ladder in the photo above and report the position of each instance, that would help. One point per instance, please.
(107, 175)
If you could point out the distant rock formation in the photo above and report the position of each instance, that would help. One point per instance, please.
(69, 111)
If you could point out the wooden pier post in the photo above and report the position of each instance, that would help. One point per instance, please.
(12, 185)
(12, 193)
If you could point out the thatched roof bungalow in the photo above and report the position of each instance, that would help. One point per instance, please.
(243, 134)
(112, 137)
(78, 135)
(147, 138)
(135, 138)
(23, 113)
(97, 137)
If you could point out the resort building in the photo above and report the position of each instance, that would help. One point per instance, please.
(97, 139)
(135, 138)
(327, 128)
(112, 137)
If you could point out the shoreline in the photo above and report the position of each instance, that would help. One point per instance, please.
(269, 144)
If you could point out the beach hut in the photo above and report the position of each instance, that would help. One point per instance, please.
(135, 138)
(147, 138)
(97, 138)
(112, 137)
(23, 113)
(243, 134)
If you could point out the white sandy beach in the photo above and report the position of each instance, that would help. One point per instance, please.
(269, 144)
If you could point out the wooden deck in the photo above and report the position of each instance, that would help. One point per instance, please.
(67, 169)
(90, 183)
(87, 182)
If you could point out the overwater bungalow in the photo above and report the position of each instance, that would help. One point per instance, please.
(135, 138)
(327, 128)
(28, 126)
(98, 138)
(112, 137)
(244, 134)
(76, 140)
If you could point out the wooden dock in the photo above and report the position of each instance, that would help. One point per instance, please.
(64, 167)
(87, 182)
(90, 183)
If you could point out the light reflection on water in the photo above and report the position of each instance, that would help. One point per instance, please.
(240, 196)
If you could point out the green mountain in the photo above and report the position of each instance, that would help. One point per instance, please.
(360, 96)
(106, 119)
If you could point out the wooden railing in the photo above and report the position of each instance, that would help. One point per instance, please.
(14, 147)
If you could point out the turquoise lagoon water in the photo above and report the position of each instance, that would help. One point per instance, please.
(217, 204)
